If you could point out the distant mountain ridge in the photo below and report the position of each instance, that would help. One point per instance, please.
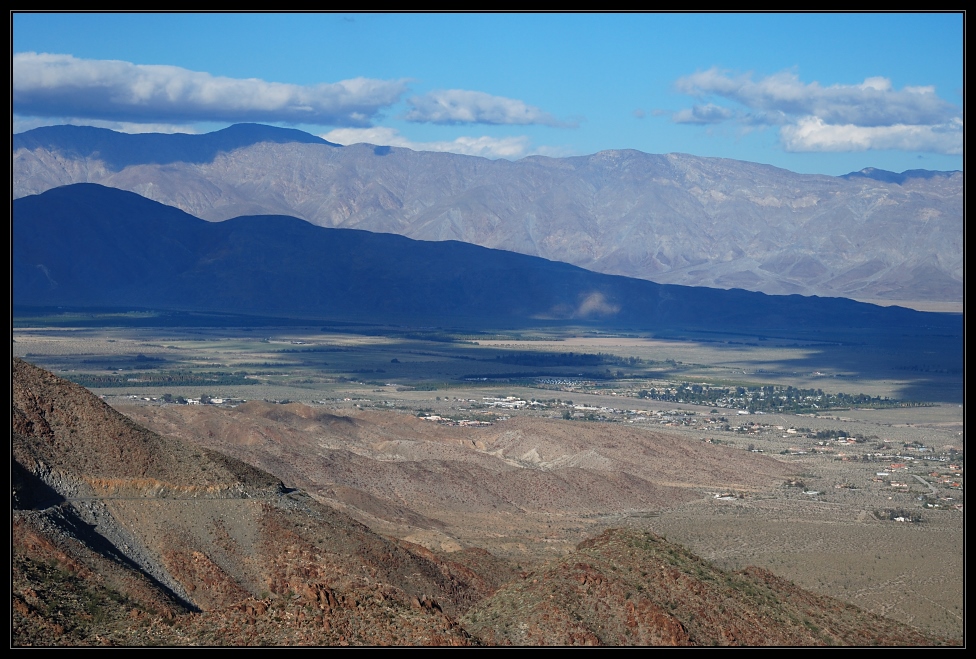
(88, 245)
(670, 218)
(894, 177)
(121, 150)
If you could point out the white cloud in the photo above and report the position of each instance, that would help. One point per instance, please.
(459, 106)
(510, 148)
(869, 115)
(812, 134)
(871, 103)
(878, 83)
(48, 85)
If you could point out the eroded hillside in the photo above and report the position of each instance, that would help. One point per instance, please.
(195, 547)
(535, 482)
(122, 536)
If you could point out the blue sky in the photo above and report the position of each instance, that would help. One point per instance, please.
(815, 93)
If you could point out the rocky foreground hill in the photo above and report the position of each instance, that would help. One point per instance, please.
(122, 536)
(125, 537)
(673, 218)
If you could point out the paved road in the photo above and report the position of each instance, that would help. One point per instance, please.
(927, 484)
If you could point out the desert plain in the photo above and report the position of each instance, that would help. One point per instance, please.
(526, 442)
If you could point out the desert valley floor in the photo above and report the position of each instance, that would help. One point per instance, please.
(528, 473)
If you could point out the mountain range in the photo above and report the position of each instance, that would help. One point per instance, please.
(675, 218)
(86, 245)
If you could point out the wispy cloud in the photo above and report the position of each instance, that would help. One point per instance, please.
(702, 114)
(510, 148)
(595, 304)
(48, 85)
(460, 106)
(813, 117)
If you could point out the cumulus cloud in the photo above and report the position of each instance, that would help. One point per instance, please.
(487, 147)
(48, 85)
(812, 134)
(869, 115)
(460, 106)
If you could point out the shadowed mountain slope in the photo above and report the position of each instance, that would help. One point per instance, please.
(87, 245)
(674, 218)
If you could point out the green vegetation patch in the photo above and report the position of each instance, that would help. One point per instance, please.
(164, 379)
